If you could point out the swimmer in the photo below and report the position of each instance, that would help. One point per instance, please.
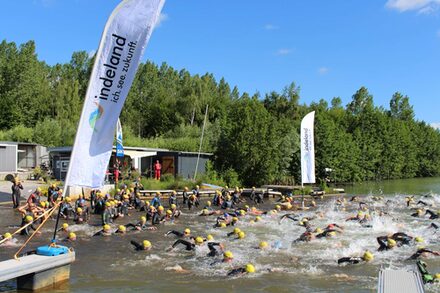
(234, 232)
(418, 214)
(433, 215)
(146, 245)
(248, 269)
(141, 225)
(424, 252)
(386, 243)
(290, 216)
(367, 257)
(106, 231)
(121, 229)
(185, 233)
(189, 246)
(70, 238)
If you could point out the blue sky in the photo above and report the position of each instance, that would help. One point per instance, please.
(328, 48)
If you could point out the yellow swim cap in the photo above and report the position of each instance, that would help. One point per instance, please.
(209, 237)
(222, 225)
(278, 207)
(67, 199)
(418, 239)
(7, 235)
(79, 210)
(228, 254)
(143, 219)
(108, 204)
(368, 256)
(72, 236)
(391, 243)
(250, 268)
(65, 226)
(318, 230)
(146, 244)
(199, 240)
(43, 204)
(187, 231)
(205, 212)
(263, 244)
(234, 219)
(241, 235)
(173, 206)
(122, 228)
(208, 203)
(437, 276)
(28, 219)
(242, 212)
(160, 208)
(332, 233)
(169, 212)
(257, 218)
(106, 227)
(237, 230)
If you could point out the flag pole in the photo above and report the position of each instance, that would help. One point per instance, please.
(201, 141)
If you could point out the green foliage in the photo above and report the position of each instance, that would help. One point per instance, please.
(255, 140)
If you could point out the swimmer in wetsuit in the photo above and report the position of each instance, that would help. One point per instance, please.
(385, 243)
(426, 276)
(424, 252)
(433, 215)
(290, 216)
(106, 231)
(368, 256)
(185, 233)
(189, 246)
(248, 269)
(146, 245)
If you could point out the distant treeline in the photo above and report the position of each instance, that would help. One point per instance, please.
(255, 138)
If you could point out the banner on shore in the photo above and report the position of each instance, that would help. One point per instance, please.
(124, 39)
(119, 145)
(308, 149)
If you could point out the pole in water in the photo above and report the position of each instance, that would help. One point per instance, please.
(302, 195)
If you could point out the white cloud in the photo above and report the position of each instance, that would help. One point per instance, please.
(436, 125)
(270, 27)
(284, 51)
(422, 6)
(162, 18)
(323, 70)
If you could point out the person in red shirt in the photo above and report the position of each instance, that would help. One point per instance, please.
(157, 169)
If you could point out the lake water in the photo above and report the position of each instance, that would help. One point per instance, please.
(109, 264)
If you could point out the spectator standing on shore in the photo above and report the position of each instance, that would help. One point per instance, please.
(157, 169)
(16, 192)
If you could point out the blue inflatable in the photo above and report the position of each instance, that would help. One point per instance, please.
(52, 250)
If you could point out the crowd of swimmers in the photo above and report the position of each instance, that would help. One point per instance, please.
(226, 208)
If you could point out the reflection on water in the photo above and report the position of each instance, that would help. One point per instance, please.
(109, 264)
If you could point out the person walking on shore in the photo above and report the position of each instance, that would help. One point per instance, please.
(16, 192)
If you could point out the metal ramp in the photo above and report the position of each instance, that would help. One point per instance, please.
(400, 281)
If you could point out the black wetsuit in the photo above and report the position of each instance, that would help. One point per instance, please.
(421, 251)
(140, 225)
(432, 215)
(212, 250)
(188, 245)
(177, 233)
(383, 244)
(292, 217)
(137, 246)
(236, 272)
(157, 219)
(16, 194)
(402, 238)
(350, 260)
